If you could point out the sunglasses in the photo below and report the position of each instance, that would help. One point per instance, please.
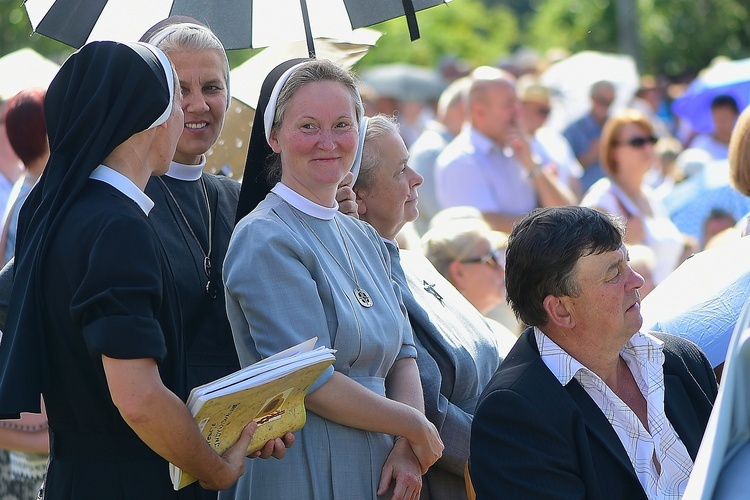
(638, 142)
(494, 259)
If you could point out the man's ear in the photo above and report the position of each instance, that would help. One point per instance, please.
(559, 312)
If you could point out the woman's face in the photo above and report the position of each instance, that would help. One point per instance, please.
(483, 277)
(317, 140)
(634, 152)
(391, 200)
(204, 102)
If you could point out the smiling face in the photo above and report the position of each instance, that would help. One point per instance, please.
(607, 308)
(317, 140)
(391, 199)
(204, 102)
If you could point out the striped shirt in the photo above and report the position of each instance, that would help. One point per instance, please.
(643, 355)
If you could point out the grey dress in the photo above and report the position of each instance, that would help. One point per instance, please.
(284, 287)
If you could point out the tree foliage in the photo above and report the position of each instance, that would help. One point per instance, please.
(467, 29)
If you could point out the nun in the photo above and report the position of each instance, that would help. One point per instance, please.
(93, 321)
(297, 268)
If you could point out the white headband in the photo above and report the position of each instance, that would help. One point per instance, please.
(167, 67)
(270, 111)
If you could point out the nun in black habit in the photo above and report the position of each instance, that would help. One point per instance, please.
(93, 322)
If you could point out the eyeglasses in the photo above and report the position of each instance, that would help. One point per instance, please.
(494, 259)
(543, 111)
(638, 142)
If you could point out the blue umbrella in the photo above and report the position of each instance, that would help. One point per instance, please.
(701, 300)
(691, 201)
(723, 78)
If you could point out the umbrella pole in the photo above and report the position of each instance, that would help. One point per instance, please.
(308, 29)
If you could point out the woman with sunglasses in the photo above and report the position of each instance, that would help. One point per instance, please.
(627, 154)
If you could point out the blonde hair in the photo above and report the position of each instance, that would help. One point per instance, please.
(457, 240)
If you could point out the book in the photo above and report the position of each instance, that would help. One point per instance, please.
(270, 392)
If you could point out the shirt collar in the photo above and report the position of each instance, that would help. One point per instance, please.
(303, 204)
(124, 185)
(183, 172)
(642, 347)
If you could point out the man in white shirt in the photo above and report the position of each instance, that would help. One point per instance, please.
(585, 405)
(490, 164)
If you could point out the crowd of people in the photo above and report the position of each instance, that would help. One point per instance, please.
(488, 341)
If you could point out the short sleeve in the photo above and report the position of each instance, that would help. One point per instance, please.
(121, 291)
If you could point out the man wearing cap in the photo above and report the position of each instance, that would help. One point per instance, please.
(549, 144)
(490, 164)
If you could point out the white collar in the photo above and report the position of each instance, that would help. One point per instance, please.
(183, 172)
(124, 185)
(303, 204)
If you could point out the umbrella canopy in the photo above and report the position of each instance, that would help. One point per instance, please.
(405, 82)
(701, 300)
(730, 78)
(239, 24)
(691, 201)
(571, 80)
(23, 69)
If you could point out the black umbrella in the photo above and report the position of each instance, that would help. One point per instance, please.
(239, 24)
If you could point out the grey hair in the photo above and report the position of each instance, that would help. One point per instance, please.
(193, 38)
(378, 126)
(315, 70)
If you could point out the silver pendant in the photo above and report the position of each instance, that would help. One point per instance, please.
(363, 297)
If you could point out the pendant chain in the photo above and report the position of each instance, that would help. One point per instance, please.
(209, 289)
(359, 293)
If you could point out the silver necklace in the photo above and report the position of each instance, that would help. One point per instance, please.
(360, 293)
(209, 288)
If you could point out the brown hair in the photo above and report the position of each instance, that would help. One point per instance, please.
(611, 135)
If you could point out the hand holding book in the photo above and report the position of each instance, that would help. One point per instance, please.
(270, 393)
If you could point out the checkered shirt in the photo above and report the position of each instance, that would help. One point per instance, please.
(643, 355)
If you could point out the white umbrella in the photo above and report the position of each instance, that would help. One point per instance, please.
(23, 69)
(571, 80)
(701, 299)
(239, 24)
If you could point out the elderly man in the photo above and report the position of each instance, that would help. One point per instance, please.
(585, 405)
(490, 164)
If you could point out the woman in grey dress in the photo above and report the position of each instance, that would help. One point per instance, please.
(457, 350)
(297, 268)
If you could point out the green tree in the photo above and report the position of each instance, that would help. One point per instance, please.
(16, 33)
(464, 28)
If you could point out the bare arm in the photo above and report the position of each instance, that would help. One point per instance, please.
(28, 434)
(164, 423)
(501, 222)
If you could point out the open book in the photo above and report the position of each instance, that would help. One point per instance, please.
(270, 392)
